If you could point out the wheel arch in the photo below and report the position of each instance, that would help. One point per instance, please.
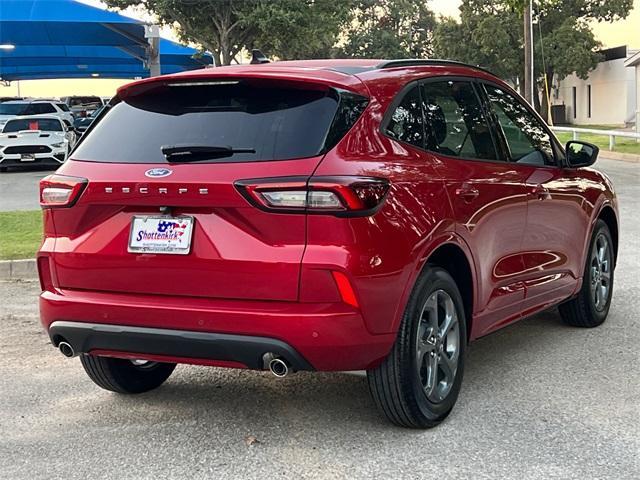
(452, 258)
(608, 216)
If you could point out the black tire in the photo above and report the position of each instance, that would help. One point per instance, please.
(123, 376)
(582, 310)
(396, 385)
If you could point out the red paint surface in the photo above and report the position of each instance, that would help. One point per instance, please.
(261, 273)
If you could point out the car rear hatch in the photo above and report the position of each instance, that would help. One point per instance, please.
(213, 133)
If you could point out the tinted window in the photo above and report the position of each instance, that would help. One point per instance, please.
(43, 108)
(349, 110)
(45, 124)
(278, 123)
(77, 101)
(455, 124)
(526, 136)
(406, 122)
(13, 108)
(63, 107)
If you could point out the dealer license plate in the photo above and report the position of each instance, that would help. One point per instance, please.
(171, 235)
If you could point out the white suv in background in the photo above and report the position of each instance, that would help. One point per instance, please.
(16, 108)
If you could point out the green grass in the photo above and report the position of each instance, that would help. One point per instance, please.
(623, 145)
(20, 234)
(597, 127)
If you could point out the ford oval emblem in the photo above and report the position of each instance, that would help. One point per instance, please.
(158, 172)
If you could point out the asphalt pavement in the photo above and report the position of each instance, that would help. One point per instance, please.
(539, 400)
(19, 189)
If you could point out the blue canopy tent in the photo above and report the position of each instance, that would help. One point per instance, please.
(73, 61)
(68, 39)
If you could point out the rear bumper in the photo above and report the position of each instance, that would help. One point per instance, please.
(311, 336)
(40, 160)
(244, 349)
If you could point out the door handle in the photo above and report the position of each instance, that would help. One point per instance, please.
(542, 193)
(467, 193)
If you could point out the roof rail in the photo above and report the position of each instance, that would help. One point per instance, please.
(418, 62)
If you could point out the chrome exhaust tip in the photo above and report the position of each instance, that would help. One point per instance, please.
(279, 367)
(66, 349)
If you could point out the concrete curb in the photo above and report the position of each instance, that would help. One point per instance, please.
(18, 269)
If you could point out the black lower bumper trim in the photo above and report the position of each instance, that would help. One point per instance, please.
(246, 349)
(40, 162)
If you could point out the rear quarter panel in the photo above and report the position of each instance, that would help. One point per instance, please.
(382, 254)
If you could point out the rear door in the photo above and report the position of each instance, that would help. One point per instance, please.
(237, 251)
(488, 195)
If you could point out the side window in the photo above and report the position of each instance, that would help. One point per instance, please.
(526, 137)
(455, 123)
(45, 108)
(406, 123)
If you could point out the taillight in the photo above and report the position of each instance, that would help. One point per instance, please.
(342, 196)
(60, 190)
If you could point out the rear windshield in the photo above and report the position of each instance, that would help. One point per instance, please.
(44, 124)
(76, 101)
(13, 108)
(274, 122)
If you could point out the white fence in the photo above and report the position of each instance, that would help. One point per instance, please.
(612, 134)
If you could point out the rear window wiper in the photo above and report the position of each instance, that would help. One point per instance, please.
(194, 153)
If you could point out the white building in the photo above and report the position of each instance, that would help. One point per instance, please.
(607, 97)
(633, 63)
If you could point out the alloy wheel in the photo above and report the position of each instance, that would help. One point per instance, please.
(438, 346)
(600, 268)
(143, 363)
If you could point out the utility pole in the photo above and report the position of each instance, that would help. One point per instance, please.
(528, 53)
(152, 34)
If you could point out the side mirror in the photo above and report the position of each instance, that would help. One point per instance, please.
(581, 154)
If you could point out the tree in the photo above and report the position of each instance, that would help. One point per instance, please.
(282, 28)
(299, 29)
(390, 29)
(489, 33)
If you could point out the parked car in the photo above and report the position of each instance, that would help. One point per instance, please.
(82, 106)
(37, 140)
(81, 124)
(320, 215)
(8, 99)
(16, 108)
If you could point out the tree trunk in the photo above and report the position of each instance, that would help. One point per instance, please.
(536, 101)
(224, 49)
(520, 87)
(216, 57)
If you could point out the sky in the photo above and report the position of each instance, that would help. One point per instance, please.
(626, 32)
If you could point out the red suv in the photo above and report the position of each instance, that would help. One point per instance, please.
(319, 215)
